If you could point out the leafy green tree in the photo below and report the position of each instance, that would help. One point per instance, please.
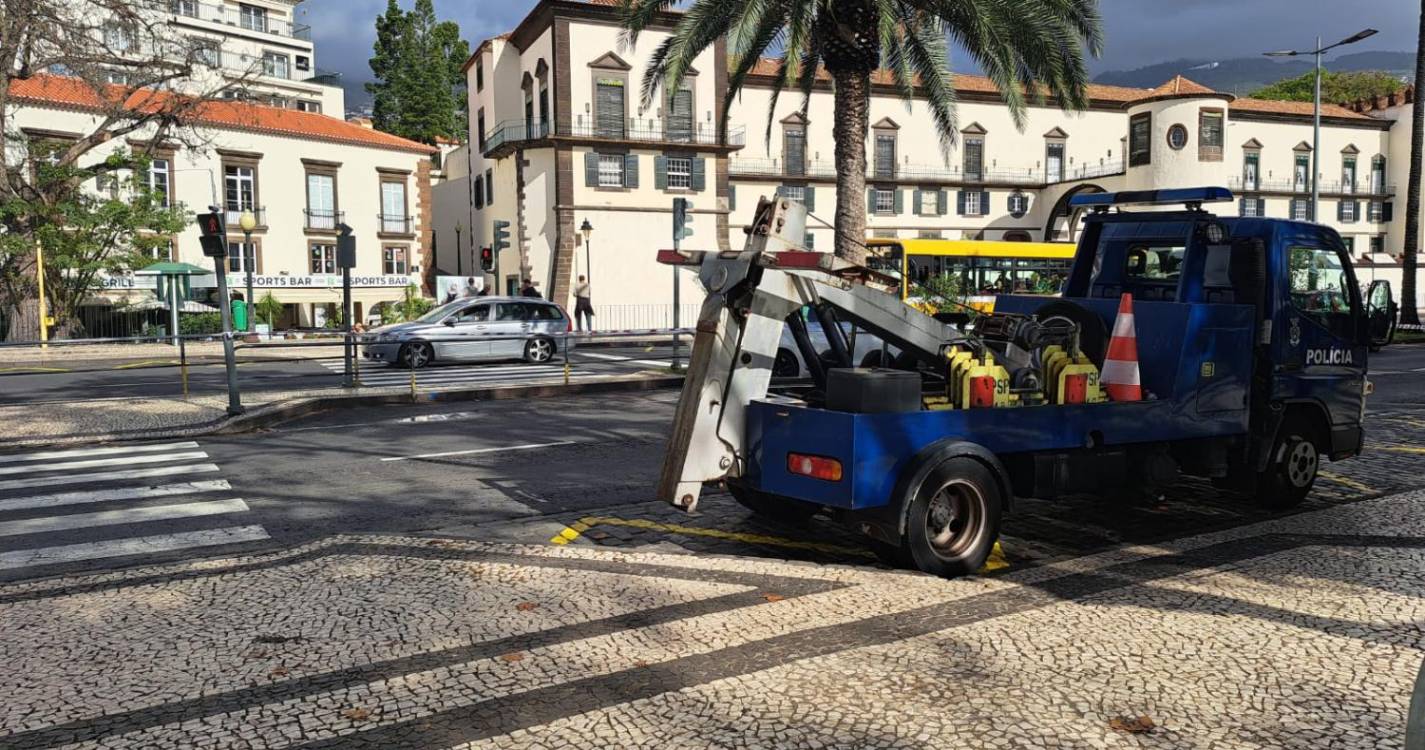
(419, 90)
(1335, 87)
(269, 309)
(1029, 48)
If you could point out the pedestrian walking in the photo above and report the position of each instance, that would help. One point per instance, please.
(583, 307)
(470, 289)
(529, 290)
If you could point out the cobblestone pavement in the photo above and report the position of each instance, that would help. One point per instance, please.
(1302, 631)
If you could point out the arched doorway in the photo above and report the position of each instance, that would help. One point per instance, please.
(1063, 222)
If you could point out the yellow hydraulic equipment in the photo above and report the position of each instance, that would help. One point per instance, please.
(1070, 379)
(977, 383)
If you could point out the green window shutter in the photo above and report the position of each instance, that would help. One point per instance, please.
(1356, 210)
(809, 242)
(1340, 210)
(870, 200)
(630, 170)
(591, 169)
(700, 176)
(732, 197)
(984, 203)
(960, 202)
(940, 201)
(781, 191)
(810, 199)
(900, 201)
(660, 172)
(915, 202)
(1386, 210)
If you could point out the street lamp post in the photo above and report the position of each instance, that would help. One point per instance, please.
(458, 265)
(248, 222)
(588, 230)
(1316, 107)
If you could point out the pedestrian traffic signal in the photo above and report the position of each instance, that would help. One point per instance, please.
(502, 236)
(487, 259)
(213, 235)
(345, 247)
(681, 208)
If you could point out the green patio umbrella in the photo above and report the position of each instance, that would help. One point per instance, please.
(174, 286)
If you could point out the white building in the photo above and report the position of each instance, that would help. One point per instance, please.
(561, 137)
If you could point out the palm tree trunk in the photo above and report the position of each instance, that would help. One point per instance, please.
(1409, 312)
(852, 120)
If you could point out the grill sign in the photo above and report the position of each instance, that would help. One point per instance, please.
(1328, 357)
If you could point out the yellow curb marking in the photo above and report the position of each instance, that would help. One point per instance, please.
(1401, 449)
(34, 369)
(1348, 482)
(996, 561)
(146, 363)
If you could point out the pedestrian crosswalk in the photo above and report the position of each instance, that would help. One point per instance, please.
(112, 502)
(379, 376)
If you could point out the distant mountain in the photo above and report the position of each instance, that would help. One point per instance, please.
(1243, 75)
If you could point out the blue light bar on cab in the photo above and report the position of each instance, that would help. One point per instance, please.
(1152, 197)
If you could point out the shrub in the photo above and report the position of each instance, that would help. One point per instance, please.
(200, 323)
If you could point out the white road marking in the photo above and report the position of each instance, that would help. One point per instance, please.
(97, 462)
(473, 451)
(79, 452)
(123, 493)
(616, 358)
(102, 476)
(131, 546)
(124, 516)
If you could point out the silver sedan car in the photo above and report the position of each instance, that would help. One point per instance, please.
(472, 329)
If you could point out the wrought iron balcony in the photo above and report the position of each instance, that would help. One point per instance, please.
(233, 215)
(259, 22)
(911, 173)
(513, 132)
(394, 224)
(320, 220)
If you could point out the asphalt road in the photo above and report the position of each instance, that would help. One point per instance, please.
(89, 381)
(525, 471)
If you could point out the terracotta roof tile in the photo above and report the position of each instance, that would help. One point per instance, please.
(72, 93)
(1180, 85)
(1269, 106)
(963, 82)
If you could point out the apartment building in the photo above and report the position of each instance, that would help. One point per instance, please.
(561, 137)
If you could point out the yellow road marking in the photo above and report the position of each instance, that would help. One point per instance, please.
(146, 363)
(1402, 449)
(996, 560)
(34, 369)
(1353, 484)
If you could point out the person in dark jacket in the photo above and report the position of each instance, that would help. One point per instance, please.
(529, 290)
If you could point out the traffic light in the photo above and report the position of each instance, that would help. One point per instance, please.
(502, 235)
(345, 247)
(213, 235)
(681, 208)
(487, 259)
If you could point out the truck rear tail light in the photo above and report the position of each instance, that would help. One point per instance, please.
(982, 390)
(816, 467)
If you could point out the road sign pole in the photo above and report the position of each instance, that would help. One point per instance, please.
(348, 352)
(229, 360)
(677, 363)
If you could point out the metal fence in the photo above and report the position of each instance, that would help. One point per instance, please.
(99, 322)
(628, 317)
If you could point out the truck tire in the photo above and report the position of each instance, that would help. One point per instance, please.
(953, 520)
(771, 506)
(1296, 459)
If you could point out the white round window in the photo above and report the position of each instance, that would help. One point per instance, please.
(1177, 137)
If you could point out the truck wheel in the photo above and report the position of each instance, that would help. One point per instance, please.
(1295, 462)
(953, 520)
(769, 505)
(785, 364)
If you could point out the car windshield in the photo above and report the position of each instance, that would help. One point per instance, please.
(440, 312)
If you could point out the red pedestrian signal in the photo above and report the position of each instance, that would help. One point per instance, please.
(213, 234)
(487, 259)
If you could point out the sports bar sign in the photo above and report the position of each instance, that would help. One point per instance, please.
(319, 281)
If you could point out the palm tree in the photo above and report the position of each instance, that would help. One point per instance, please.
(1409, 313)
(1028, 48)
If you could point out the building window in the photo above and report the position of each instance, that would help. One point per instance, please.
(393, 261)
(119, 38)
(1018, 204)
(795, 150)
(489, 187)
(276, 65)
(1251, 207)
(1300, 175)
(303, 63)
(480, 127)
(479, 75)
(241, 190)
(242, 256)
(321, 201)
(1348, 174)
(543, 107)
(809, 241)
(680, 171)
(1347, 211)
(1300, 209)
(160, 181)
(1140, 139)
(107, 184)
(1350, 243)
(207, 52)
(930, 234)
(884, 201)
(885, 156)
(393, 208)
(796, 193)
(1377, 244)
(1054, 161)
(252, 18)
(1209, 135)
(323, 258)
(1375, 211)
(1250, 161)
(1378, 175)
(1177, 137)
(611, 170)
(974, 163)
(117, 77)
(927, 202)
(184, 7)
(680, 116)
(479, 192)
(972, 203)
(309, 106)
(609, 108)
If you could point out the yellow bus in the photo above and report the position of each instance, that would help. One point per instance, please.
(972, 271)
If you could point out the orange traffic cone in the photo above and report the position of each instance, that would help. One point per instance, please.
(1120, 367)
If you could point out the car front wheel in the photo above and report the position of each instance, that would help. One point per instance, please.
(416, 355)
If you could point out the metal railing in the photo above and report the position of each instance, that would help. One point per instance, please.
(1088, 172)
(634, 129)
(320, 219)
(1238, 182)
(1026, 176)
(232, 216)
(391, 224)
(258, 65)
(651, 316)
(219, 13)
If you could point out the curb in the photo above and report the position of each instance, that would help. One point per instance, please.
(270, 414)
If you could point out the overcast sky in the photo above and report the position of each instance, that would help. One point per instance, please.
(1137, 32)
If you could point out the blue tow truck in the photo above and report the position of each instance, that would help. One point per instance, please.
(1252, 340)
